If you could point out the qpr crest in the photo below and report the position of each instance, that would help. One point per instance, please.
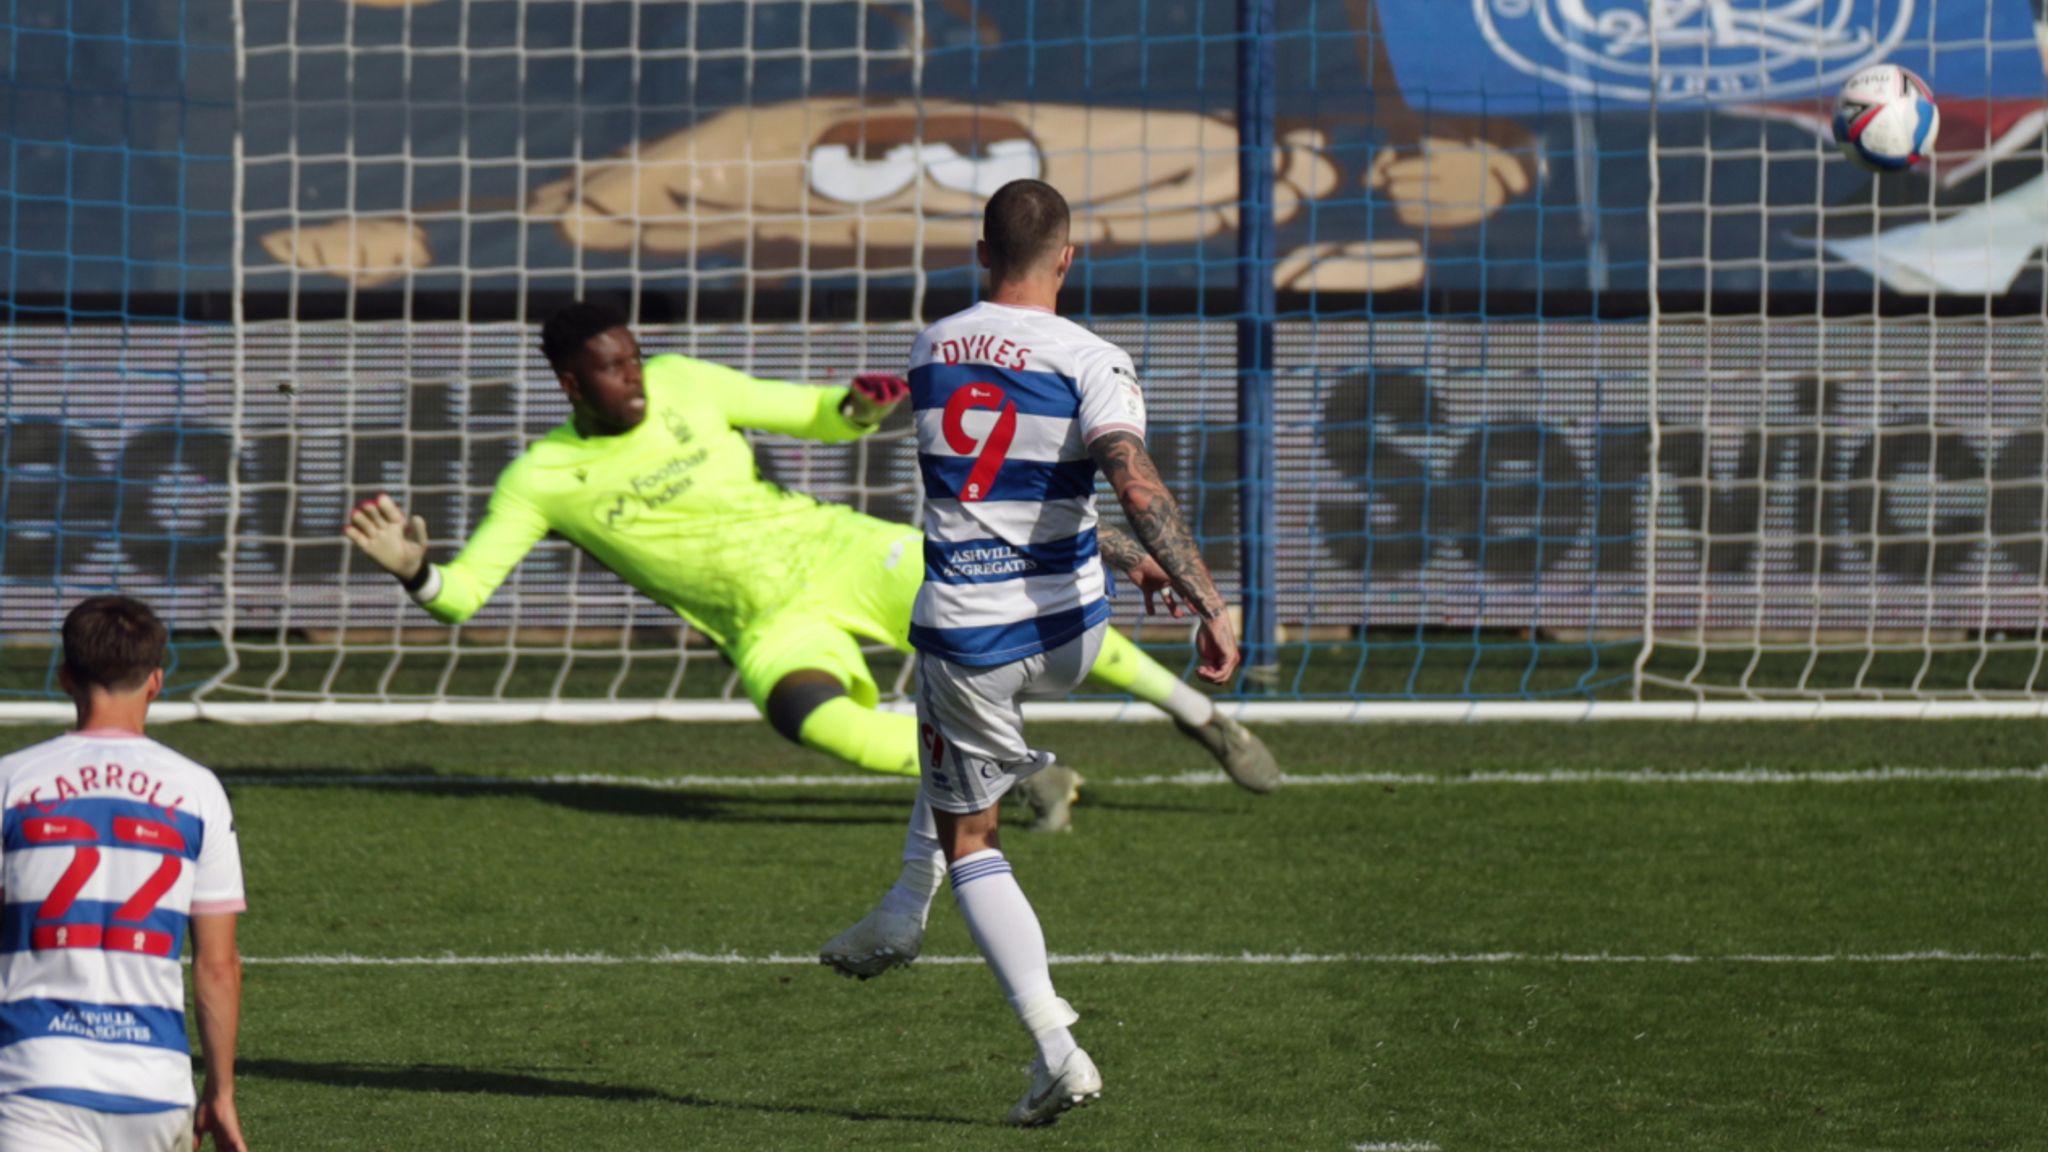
(1707, 50)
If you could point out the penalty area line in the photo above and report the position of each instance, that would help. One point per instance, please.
(1147, 959)
(1742, 776)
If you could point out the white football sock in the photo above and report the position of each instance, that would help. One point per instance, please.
(924, 866)
(1187, 705)
(1007, 932)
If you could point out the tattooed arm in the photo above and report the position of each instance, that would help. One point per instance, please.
(1122, 552)
(1130, 558)
(1155, 519)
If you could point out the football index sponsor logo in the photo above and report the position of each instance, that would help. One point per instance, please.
(1704, 49)
(653, 488)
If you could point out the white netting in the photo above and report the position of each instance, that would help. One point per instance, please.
(1852, 507)
(1599, 375)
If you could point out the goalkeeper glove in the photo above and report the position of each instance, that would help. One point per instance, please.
(874, 395)
(396, 544)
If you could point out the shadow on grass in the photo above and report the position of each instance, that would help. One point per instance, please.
(890, 807)
(454, 1079)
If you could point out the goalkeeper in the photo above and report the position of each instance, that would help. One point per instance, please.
(652, 478)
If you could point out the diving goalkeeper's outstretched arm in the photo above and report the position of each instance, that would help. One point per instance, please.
(692, 466)
(598, 363)
(453, 592)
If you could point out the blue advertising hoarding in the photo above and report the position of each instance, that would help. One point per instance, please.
(1514, 57)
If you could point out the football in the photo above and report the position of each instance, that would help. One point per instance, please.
(1885, 118)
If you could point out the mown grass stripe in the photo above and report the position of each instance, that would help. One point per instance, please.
(1156, 959)
(1746, 776)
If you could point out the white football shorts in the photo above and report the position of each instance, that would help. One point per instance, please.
(31, 1125)
(971, 727)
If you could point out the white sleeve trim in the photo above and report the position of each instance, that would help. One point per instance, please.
(1102, 430)
(425, 593)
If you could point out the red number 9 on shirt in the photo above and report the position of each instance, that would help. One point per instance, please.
(988, 453)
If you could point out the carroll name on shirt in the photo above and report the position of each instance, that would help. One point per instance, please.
(75, 782)
(984, 348)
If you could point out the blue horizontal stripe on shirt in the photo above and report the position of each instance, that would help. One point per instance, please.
(993, 644)
(1034, 393)
(993, 561)
(100, 812)
(1030, 480)
(144, 1025)
(18, 923)
(110, 1102)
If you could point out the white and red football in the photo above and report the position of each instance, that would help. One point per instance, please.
(1885, 118)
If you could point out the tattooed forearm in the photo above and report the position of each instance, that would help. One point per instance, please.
(1155, 518)
(1122, 552)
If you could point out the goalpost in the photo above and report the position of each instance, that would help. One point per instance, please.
(1564, 370)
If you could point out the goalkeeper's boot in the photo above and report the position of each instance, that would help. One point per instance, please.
(1072, 1086)
(882, 940)
(1244, 756)
(1051, 792)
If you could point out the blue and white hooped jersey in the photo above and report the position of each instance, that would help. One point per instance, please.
(1007, 401)
(111, 844)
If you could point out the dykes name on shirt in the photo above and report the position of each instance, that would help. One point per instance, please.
(984, 348)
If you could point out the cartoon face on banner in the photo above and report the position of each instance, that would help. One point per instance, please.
(1493, 133)
(861, 184)
(842, 186)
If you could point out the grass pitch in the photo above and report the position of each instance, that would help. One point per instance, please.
(1490, 950)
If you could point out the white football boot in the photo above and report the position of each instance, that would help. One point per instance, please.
(881, 941)
(1244, 756)
(1051, 792)
(1074, 1085)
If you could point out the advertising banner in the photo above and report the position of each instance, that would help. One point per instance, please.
(1434, 474)
(1515, 57)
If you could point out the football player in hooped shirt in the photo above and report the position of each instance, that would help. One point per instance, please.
(116, 852)
(1017, 409)
(654, 479)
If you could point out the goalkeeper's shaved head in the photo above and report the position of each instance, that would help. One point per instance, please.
(596, 359)
(1024, 229)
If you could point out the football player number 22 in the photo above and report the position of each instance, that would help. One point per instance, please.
(126, 933)
(989, 451)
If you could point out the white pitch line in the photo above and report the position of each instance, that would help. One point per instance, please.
(1150, 959)
(1395, 1146)
(1631, 776)
(1185, 779)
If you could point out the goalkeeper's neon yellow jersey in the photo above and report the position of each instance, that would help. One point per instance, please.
(676, 507)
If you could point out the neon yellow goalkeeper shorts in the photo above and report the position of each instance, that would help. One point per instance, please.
(863, 591)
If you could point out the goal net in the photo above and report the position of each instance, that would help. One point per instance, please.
(1848, 386)
(1599, 380)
